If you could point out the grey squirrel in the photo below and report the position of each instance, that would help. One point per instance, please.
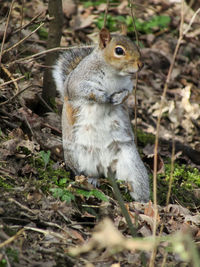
(96, 129)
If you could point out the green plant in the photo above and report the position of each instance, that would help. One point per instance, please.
(157, 22)
(111, 22)
(96, 3)
(185, 181)
(12, 254)
(66, 195)
(49, 176)
(94, 192)
(144, 138)
(62, 194)
(42, 31)
(3, 263)
(4, 183)
(45, 157)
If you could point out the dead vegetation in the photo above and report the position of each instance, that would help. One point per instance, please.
(37, 229)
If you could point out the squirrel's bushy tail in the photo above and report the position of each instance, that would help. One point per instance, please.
(66, 63)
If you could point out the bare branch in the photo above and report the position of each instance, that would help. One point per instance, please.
(4, 36)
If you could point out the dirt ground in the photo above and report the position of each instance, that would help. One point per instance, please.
(48, 217)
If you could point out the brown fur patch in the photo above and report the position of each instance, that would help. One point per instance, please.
(70, 112)
(92, 97)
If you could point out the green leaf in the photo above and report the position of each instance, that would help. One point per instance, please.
(45, 157)
(63, 181)
(100, 195)
(63, 194)
(83, 192)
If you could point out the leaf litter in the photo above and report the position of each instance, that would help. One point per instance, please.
(38, 229)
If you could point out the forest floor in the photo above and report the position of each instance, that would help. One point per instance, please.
(50, 218)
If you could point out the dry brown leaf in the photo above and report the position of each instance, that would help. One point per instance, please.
(69, 8)
(193, 219)
(145, 231)
(177, 209)
(148, 210)
(76, 235)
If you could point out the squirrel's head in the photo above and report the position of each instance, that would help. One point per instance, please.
(120, 52)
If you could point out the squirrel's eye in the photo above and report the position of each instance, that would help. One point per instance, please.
(119, 51)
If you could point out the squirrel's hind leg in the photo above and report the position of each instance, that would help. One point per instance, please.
(131, 169)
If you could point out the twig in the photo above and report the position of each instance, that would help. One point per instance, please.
(134, 25)
(153, 255)
(43, 53)
(45, 103)
(12, 200)
(12, 81)
(22, 40)
(118, 196)
(191, 22)
(106, 13)
(136, 80)
(28, 124)
(11, 239)
(27, 24)
(170, 183)
(164, 259)
(10, 76)
(16, 95)
(171, 171)
(45, 232)
(22, 18)
(4, 36)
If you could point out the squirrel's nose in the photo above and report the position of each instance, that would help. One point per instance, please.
(140, 64)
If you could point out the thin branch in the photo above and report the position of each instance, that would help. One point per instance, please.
(45, 103)
(10, 76)
(153, 255)
(191, 22)
(27, 24)
(134, 25)
(106, 13)
(136, 81)
(6, 28)
(22, 18)
(43, 53)
(171, 171)
(16, 95)
(12, 238)
(12, 81)
(22, 40)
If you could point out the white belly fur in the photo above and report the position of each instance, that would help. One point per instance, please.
(101, 138)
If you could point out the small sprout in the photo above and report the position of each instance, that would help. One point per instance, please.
(45, 157)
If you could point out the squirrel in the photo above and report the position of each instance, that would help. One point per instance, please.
(96, 130)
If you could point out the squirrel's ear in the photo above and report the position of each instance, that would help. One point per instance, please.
(104, 38)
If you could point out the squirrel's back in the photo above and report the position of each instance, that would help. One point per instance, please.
(66, 63)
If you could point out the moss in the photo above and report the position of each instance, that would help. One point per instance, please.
(48, 174)
(185, 180)
(145, 138)
(5, 183)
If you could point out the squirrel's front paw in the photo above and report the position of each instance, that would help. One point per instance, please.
(119, 97)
